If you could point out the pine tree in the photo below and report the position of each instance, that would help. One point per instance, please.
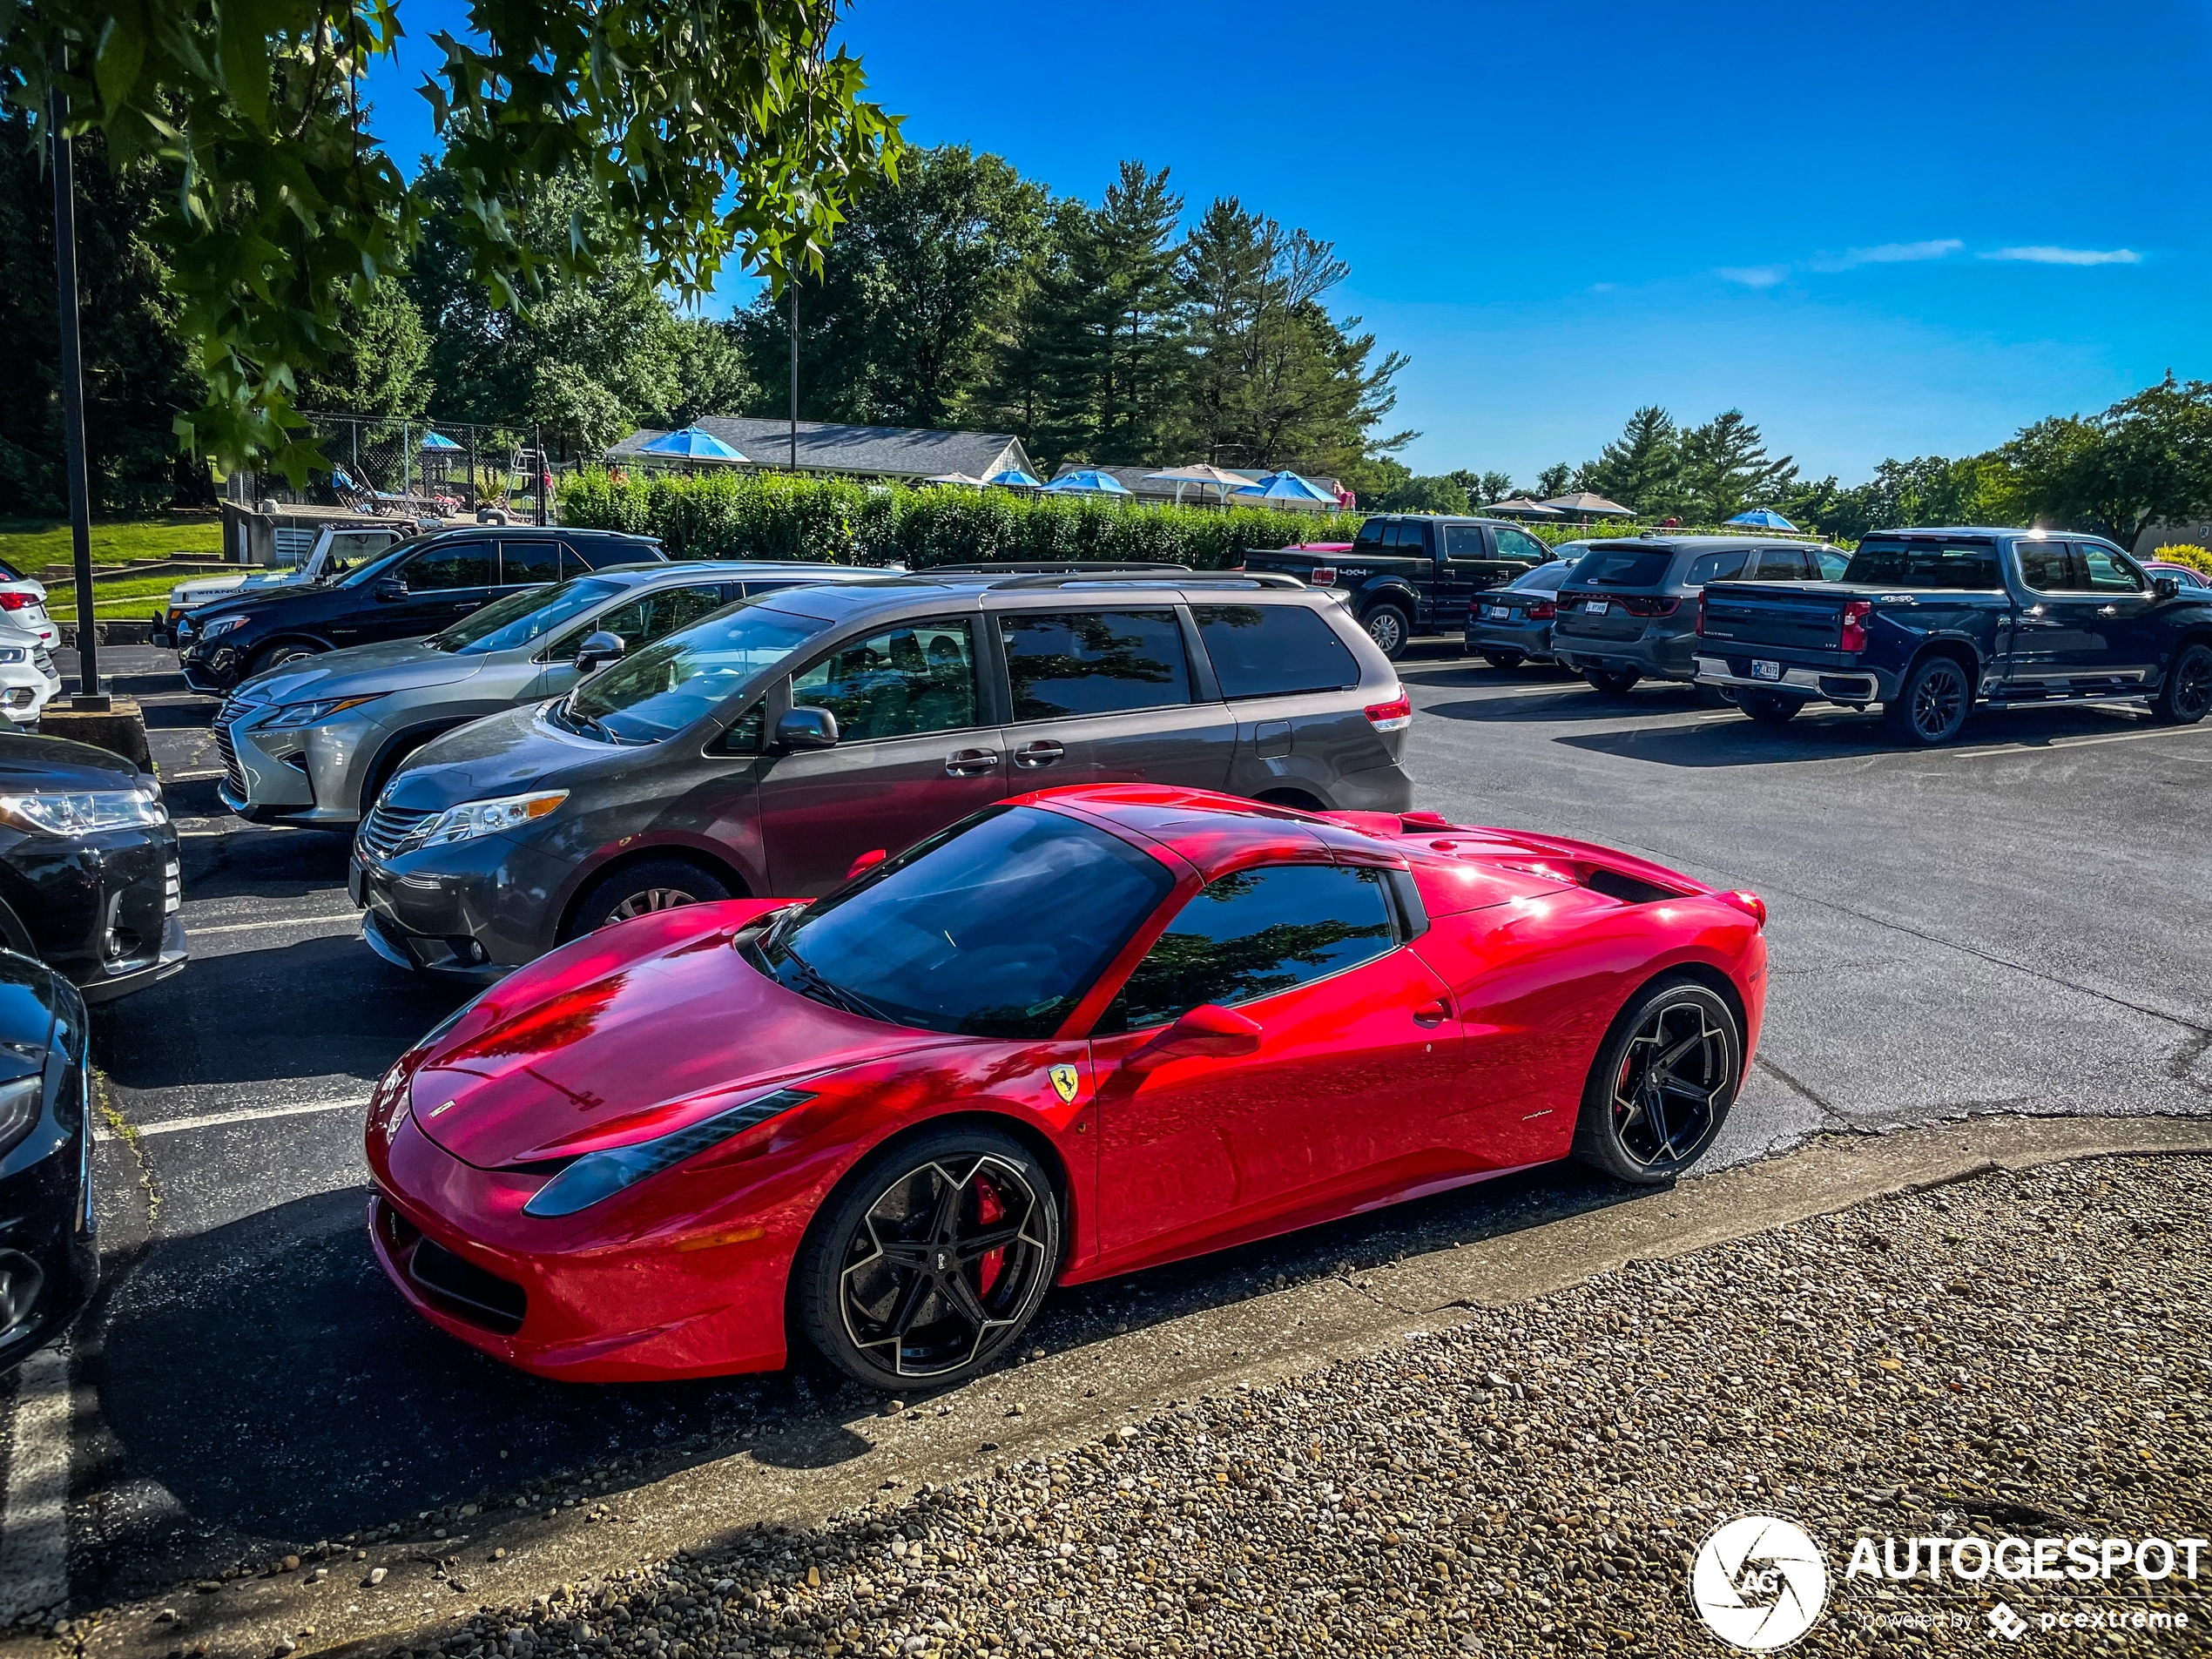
(1642, 468)
(1725, 468)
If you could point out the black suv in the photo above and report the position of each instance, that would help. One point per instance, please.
(417, 588)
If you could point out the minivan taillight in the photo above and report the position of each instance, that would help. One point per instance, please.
(1322, 575)
(1542, 611)
(1393, 716)
(1637, 605)
(1853, 637)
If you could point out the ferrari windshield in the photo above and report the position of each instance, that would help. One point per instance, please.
(995, 928)
(521, 617)
(665, 687)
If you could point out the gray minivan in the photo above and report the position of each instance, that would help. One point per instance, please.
(764, 750)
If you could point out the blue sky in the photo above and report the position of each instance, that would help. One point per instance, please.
(1877, 229)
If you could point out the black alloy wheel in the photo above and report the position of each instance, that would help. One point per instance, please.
(1614, 682)
(284, 651)
(1389, 628)
(1503, 658)
(932, 1261)
(1768, 708)
(2187, 696)
(1663, 1084)
(1932, 704)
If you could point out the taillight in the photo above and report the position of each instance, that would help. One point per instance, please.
(1701, 613)
(1323, 576)
(1749, 903)
(1635, 605)
(1853, 637)
(1393, 716)
(1542, 611)
(17, 601)
(1239, 564)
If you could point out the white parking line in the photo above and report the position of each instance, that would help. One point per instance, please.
(34, 1528)
(244, 1115)
(2064, 743)
(350, 917)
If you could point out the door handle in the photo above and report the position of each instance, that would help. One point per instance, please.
(1038, 754)
(970, 762)
(469, 605)
(2107, 610)
(1435, 1014)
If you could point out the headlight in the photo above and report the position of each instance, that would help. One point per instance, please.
(20, 1104)
(14, 654)
(474, 817)
(103, 809)
(299, 714)
(222, 625)
(601, 1175)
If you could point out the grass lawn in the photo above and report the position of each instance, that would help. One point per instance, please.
(136, 597)
(29, 544)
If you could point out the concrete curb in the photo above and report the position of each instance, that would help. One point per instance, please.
(1074, 1396)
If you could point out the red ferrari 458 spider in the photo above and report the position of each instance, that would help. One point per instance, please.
(1081, 1033)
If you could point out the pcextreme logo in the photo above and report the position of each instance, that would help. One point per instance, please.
(1759, 1582)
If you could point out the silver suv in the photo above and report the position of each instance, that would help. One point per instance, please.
(312, 741)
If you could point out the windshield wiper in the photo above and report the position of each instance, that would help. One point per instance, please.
(811, 983)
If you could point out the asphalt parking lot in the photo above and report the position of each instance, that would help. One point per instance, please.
(2013, 925)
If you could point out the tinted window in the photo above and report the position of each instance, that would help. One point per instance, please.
(1623, 567)
(969, 932)
(1545, 578)
(1465, 542)
(665, 687)
(517, 619)
(1093, 662)
(1258, 934)
(1832, 563)
(1373, 533)
(2047, 567)
(1412, 538)
(1519, 544)
(1779, 565)
(643, 621)
(449, 564)
(917, 677)
(1724, 566)
(1900, 563)
(1271, 651)
(597, 556)
(2109, 573)
(522, 562)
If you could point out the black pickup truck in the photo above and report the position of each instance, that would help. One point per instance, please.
(1927, 623)
(1408, 574)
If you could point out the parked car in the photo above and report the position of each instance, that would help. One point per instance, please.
(2187, 576)
(23, 608)
(88, 871)
(49, 1264)
(764, 749)
(1511, 626)
(336, 550)
(417, 588)
(1082, 1034)
(315, 740)
(1629, 611)
(1408, 574)
(27, 679)
(1929, 622)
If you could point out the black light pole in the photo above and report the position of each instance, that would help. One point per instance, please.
(794, 376)
(89, 696)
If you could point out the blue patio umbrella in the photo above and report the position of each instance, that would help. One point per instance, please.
(1285, 486)
(692, 443)
(439, 443)
(1013, 478)
(1090, 481)
(1760, 519)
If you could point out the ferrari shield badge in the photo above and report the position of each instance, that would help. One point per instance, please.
(1064, 1082)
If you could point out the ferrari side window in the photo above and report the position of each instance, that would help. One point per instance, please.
(1258, 934)
(918, 677)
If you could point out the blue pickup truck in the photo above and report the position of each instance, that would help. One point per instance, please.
(1927, 623)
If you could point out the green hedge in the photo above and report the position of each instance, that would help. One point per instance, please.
(775, 515)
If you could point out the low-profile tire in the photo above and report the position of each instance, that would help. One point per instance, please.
(2187, 696)
(929, 1259)
(1769, 708)
(1614, 682)
(1503, 658)
(1932, 706)
(1662, 1082)
(640, 888)
(284, 651)
(1389, 628)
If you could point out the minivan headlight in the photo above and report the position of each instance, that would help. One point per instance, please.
(601, 1175)
(299, 714)
(474, 817)
(81, 814)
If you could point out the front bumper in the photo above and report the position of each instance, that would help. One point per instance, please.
(212, 670)
(26, 691)
(306, 775)
(1857, 686)
(103, 909)
(474, 911)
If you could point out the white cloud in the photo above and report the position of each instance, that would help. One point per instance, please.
(1904, 253)
(2067, 255)
(1753, 276)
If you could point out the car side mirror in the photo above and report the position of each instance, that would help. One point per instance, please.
(806, 728)
(1206, 1032)
(598, 649)
(2166, 587)
(867, 861)
(389, 589)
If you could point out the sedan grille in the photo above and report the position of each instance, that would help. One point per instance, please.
(234, 709)
(387, 830)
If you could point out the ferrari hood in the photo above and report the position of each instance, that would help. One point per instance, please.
(628, 1034)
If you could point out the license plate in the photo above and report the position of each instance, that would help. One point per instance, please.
(1498, 612)
(1764, 671)
(1597, 608)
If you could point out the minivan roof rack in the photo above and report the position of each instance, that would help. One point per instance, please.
(1056, 567)
(1181, 577)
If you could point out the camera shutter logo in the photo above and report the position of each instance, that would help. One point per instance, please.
(1759, 1583)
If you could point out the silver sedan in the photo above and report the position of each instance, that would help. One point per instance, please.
(313, 742)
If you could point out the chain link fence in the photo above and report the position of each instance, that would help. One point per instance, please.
(405, 469)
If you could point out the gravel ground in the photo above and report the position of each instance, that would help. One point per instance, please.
(2011, 1354)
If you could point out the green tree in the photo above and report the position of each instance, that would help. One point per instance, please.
(711, 375)
(1434, 494)
(381, 364)
(1725, 470)
(2147, 459)
(1483, 488)
(1641, 468)
(703, 135)
(1555, 480)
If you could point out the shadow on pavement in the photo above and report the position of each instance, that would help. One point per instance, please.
(1741, 743)
(1574, 701)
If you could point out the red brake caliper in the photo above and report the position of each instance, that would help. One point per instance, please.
(989, 1211)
